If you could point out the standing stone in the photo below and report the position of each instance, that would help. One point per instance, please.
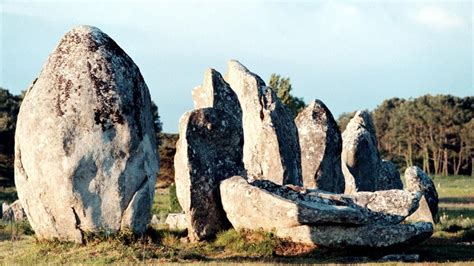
(209, 150)
(361, 164)
(216, 93)
(321, 146)
(91, 164)
(271, 150)
(416, 179)
(389, 177)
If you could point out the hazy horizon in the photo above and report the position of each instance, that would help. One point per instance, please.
(351, 55)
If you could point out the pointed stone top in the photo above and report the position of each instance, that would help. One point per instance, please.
(316, 104)
(234, 67)
(364, 119)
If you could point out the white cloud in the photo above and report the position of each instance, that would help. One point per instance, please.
(438, 17)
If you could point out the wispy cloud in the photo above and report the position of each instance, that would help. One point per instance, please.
(438, 17)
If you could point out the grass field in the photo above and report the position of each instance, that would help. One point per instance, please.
(452, 241)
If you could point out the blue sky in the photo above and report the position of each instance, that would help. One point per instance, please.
(350, 54)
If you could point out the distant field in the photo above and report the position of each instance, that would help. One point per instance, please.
(452, 241)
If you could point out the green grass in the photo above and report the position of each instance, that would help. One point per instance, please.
(448, 244)
(455, 189)
(165, 202)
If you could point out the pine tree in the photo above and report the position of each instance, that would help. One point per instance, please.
(282, 87)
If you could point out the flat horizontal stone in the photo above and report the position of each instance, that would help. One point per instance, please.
(368, 236)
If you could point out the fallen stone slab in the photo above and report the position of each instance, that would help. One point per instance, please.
(382, 207)
(250, 207)
(368, 236)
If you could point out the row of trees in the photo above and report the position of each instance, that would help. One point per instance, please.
(433, 132)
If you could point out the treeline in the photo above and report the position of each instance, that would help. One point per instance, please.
(433, 132)
(9, 107)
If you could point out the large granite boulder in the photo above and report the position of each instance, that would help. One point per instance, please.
(251, 207)
(417, 180)
(321, 145)
(264, 204)
(364, 219)
(91, 163)
(367, 236)
(209, 150)
(271, 148)
(361, 164)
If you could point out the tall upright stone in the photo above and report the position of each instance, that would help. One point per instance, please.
(321, 145)
(209, 150)
(361, 164)
(271, 150)
(91, 163)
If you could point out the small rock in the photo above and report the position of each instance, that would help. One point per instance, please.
(176, 221)
(13, 212)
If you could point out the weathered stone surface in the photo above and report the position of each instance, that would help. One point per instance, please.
(13, 212)
(92, 163)
(216, 93)
(321, 146)
(248, 206)
(368, 236)
(389, 177)
(361, 164)
(271, 148)
(417, 180)
(209, 150)
(422, 214)
(176, 221)
(381, 207)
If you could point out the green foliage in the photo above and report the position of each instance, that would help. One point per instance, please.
(344, 119)
(156, 122)
(9, 107)
(283, 89)
(433, 132)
